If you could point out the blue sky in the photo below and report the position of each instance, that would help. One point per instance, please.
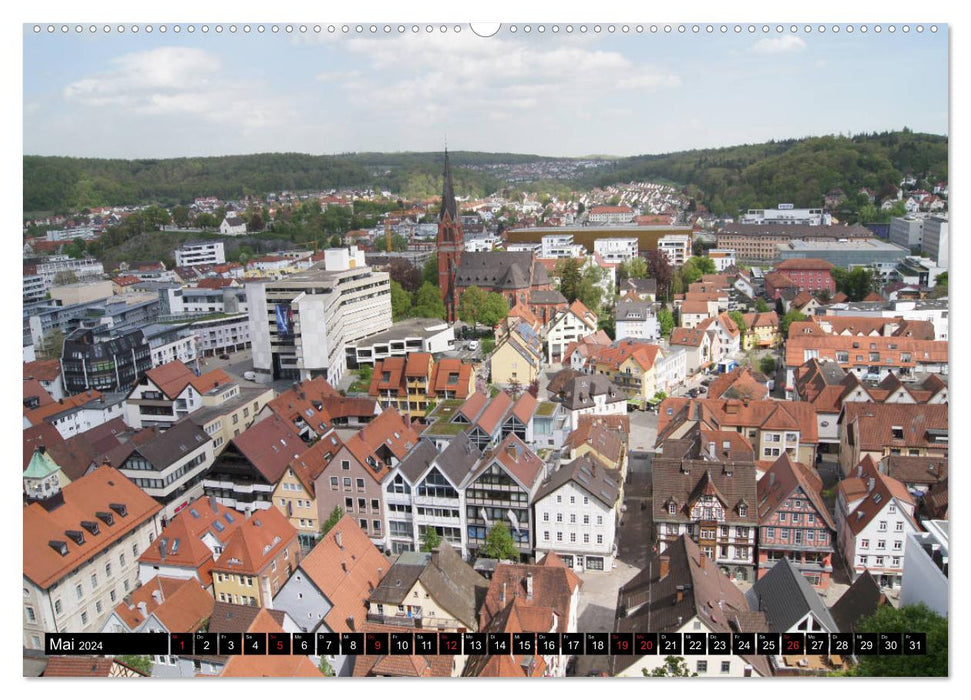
(155, 95)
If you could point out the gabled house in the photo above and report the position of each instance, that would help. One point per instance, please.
(190, 543)
(168, 393)
(729, 336)
(874, 515)
(576, 511)
(704, 485)
(302, 406)
(416, 665)
(789, 601)
(246, 473)
(761, 330)
(518, 359)
(501, 487)
(697, 346)
(879, 430)
(636, 319)
(433, 590)
(683, 590)
(631, 365)
(771, 427)
(593, 395)
(329, 590)
(258, 559)
(295, 494)
(567, 327)
(169, 466)
(352, 478)
(741, 383)
(425, 491)
(542, 597)
(858, 602)
(794, 522)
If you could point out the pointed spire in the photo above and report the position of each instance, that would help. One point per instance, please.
(448, 193)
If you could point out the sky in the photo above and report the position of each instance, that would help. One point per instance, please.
(169, 95)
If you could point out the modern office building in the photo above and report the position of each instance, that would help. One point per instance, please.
(193, 253)
(300, 326)
(785, 215)
(676, 247)
(103, 359)
(844, 253)
(935, 243)
(907, 232)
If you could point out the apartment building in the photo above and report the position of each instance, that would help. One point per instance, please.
(300, 326)
(192, 253)
(84, 541)
(676, 247)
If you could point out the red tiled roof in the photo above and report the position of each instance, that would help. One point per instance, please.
(83, 500)
(42, 370)
(256, 542)
(269, 665)
(346, 567)
(83, 667)
(171, 378)
(805, 264)
(45, 410)
(270, 446)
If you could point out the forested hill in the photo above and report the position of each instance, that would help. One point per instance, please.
(62, 184)
(800, 171)
(726, 180)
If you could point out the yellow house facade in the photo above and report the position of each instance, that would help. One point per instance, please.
(514, 362)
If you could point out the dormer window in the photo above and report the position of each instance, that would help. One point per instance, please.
(59, 546)
(742, 510)
(120, 508)
(897, 432)
(90, 525)
(75, 535)
(672, 508)
(105, 517)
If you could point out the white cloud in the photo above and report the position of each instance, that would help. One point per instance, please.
(174, 81)
(452, 73)
(781, 44)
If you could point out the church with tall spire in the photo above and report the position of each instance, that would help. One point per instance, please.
(518, 276)
(451, 244)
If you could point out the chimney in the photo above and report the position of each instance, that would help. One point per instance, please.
(143, 609)
(665, 566)
(157, 596)
(702, 560)
(344, 566)
(339, 539)
(502, 593)
(212, 504)
(680, 598)
(529, 586)
(711, 449)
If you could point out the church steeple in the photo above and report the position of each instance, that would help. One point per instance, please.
(450, 244)
(448, 194)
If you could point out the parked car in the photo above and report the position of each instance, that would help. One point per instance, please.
(473, 345)
(692, 392)
(224, 356)
(249, 376)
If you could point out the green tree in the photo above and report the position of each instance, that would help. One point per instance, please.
(494, 309)
(767, 365)
(665, 320)
(400, 302)
(180, 216)
(65, 277)
(499, 543)
(143, 664)
(704, 264)
(570, 278)
(332, 519)
(761, 306)
(739, 318)
(940, 286)
(430, 539)
(589, 291)
(206, 221)
(52, 345)
(908, 618)
(428, 303)
(660, 269)
(856, 283)
(634, 268)
(789, 317)
(325, 668)
(429, 272)
(471, 304)
(674, 666)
